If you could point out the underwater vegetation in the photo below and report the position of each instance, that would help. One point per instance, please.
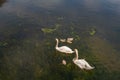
(77, 37)
(60, 18)
(50, 30)
(3, 44)
(35, 59)
(92, 31)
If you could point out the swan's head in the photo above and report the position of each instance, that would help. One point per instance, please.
(56, 39)
(76, 51)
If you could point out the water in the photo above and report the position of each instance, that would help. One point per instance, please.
(27, 39)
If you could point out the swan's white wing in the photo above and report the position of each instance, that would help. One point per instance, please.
(87, 65)
(83, 64)
(79, 63)
(65, 49)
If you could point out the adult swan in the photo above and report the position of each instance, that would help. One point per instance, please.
(81, 63)
(63, 49)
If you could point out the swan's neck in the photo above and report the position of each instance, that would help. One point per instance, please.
(76, 52)
(57, 43)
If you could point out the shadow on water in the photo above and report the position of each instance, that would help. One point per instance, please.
(2, 2)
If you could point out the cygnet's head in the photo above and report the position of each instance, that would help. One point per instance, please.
(64, 62)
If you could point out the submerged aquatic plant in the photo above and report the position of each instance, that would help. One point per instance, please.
(92, 32)
(60, 18)
(77, 37)
(3, 43)
(50, 30)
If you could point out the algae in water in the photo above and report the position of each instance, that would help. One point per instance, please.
(92, 32)
(50, 30)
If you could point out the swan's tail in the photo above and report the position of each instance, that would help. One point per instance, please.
(87, 65)
(90, 68)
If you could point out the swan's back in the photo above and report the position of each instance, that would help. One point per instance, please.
(65, 49)
(79, 63)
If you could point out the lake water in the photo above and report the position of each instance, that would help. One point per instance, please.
(28, 29)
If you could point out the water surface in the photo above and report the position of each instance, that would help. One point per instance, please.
(28, 52)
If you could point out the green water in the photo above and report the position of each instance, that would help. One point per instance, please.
(27, 39)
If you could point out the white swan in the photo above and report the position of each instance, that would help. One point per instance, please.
(81, 63)
(63, 49)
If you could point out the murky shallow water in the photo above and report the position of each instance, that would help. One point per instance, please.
(27, 39)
